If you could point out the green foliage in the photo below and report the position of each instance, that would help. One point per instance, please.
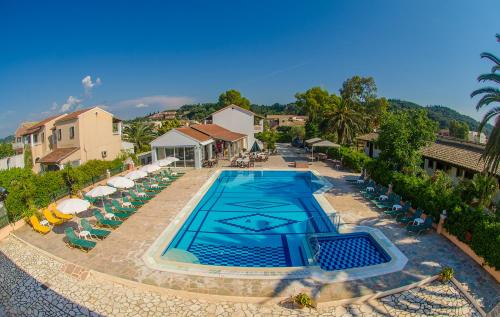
(459, 129)
(351, 158)
(446, 274)
(479, 191)
(311, 130)
(28, 157)
(233, 97)
(342, 117)
(28, 190)
(402, 136)
(358, 90)
(312, 103)
(6, 150)
(297, 132)
(486, 241)
(141, 134)
(304, 300)
(168, 125)
(269, 137)
(7, 139)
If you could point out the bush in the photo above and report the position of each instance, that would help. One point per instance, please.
(28, 191)
(353, 159)
(486, 242)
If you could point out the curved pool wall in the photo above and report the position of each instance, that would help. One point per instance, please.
(253, 224)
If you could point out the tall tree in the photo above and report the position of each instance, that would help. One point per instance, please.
(139, 133)
(168, 125)
(359, 90)
(6, 150)
(459, 129)
(313, 102)
(402, 136)
(490, 95)
(341, 117)
(233, 97)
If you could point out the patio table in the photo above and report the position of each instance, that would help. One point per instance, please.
(396, 207)
(383, 197)
(127, 204)
(109, 216)
(154, 185)
(141, 194)
(370, 189)
(44, 223)
(84, 234)
(360, 181)
(418, 221)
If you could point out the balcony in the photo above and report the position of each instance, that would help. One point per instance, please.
(258, 128)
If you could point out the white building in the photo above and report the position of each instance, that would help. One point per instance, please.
(477, 137)
(238, 120)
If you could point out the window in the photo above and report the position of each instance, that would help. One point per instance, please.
(72, 133)
(115, 127)
(35, 138)
(43, 137)
(59, 134)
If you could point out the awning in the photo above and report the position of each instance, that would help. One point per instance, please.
(58, 155)
(326, 143)
(313, 140)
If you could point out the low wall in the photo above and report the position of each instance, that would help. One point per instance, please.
(464, 247)
(11, 162)
(5, 231)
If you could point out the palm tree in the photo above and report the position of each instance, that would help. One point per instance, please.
(139, 133)
(490, 95)
(341, 117)
(481, 190)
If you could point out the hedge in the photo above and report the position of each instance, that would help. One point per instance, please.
(471, 225)
(351, 158)
(28, 190)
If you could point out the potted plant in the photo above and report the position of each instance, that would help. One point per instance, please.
(303, 300)
(446, 274)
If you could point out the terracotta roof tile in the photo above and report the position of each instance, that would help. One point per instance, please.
(197, 135)
(40, 124)
(73, 115)
(368, 137)
(23, 127)
(218, 132)
(58, 155)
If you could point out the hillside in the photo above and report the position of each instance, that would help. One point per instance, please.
(7, 139)
(441, 114)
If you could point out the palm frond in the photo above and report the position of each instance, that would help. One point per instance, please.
(485, 90)
(491, 154)
(487, 116)
(489, 77)
(491, 57)
(487, 99)
(495, 68)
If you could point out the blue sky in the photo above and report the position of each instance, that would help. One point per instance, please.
(143, 56)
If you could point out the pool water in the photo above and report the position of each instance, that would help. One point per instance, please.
(260, 219)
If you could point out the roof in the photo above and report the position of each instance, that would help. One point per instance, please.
(285, 116)
(194, 134)
(239, 108)
(368, 137)
(325, 143)
(313, 140)
(456, 152)
(40, 124)
(218, 132)
(23, 127)
(73, 115)
(58, 155)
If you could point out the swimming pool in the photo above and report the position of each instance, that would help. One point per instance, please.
(263, 219)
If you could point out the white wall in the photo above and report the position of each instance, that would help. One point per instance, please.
(11, 162)
(236, 120)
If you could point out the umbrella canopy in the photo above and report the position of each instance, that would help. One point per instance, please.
(313, 140)
(73, 206)
(325, 143)
(101, 191)
(150, 168)
(136, 175)
(120, 182)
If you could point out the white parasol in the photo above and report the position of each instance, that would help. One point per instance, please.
(73, 206)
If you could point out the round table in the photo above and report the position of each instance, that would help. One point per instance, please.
(370, 189)
(154, 185)
(84, 234)
(396, 207)
(418, 221)
(109, 216)
(360, 181)
(141, 194)
(383, 197)
(44, 223)
(126, 204)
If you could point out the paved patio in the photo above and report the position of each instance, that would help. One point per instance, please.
(120, 254)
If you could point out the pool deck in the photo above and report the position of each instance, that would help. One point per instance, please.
(121, 253)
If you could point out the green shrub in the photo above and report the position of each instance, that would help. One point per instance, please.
(446, 274)
(486, 241)
(353, 159)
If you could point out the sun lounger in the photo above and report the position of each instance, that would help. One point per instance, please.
(118, 214)
(98, 233)
(58, 214)
(420, 228)
(408, 219)
(76, 242)
(133, 202)
(51, 218)
(121, 208)
(37, 226)
(106, 222)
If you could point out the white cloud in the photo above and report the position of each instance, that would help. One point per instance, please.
(54, 106)
(88, 84)
(160, 101)
(71, 103)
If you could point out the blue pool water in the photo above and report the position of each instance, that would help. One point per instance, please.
(259, 219)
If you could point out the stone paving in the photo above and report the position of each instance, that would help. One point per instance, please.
(121, 253)
(34, 284)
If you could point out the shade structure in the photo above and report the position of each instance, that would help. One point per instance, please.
(325, 143)
(162, 163)
(120, 182)
(73, 206)
(151, 168)
(101, 191)
(312, 141)
(136, 175)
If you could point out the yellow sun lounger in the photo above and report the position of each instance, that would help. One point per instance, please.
(37, 226)
(50, 217)
(58, 214)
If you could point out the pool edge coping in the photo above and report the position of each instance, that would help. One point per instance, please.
(153, 255)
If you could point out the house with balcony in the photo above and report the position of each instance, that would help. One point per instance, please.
(74, 138)
(285, 120)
